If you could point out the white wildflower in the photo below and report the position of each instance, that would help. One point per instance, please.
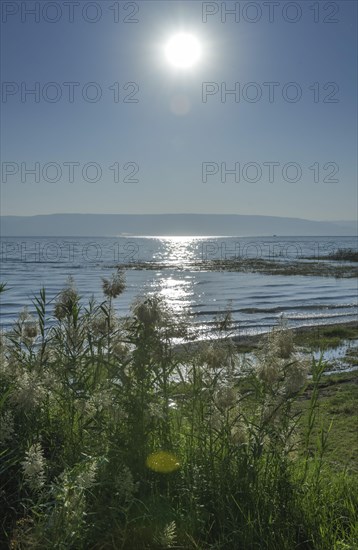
(168, 537)
(149, 312)
(280, 342)
(114, 286)
(50, 381)
(86, 407)
(270, 372)
(215, 356)
(24, 315)
(70, 501)
(125, 487)
(104, 322)
(5, 371)
(276, 350)
(239, 435)
(102, 399)
(33, 467)
(30, 330)
(156, 411)
(272, 410)
(226, 397)
(296, 376)
(29, 391)
(28, 326)
(121, 351)
(96, 403)
(86, 477)
(67, 300)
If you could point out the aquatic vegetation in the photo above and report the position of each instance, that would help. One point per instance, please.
(344, 254)
(315, 267)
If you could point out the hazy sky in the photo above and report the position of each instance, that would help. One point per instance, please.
(109, 106)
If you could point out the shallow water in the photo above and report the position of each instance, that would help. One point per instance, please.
(338, 358)
(257, 301)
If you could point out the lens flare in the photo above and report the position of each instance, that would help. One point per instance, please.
(163, 462)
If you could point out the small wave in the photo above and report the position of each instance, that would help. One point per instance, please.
(308, 307)
(321, 316)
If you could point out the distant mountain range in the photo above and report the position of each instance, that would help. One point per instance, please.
(114, 225)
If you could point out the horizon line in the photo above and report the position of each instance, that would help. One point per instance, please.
(174, 214)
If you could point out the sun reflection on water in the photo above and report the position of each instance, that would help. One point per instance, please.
(180, 251)
(176, 287)
(176, 291)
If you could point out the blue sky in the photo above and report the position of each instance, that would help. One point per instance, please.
(163, 139)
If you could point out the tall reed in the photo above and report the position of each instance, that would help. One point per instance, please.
(112, 436)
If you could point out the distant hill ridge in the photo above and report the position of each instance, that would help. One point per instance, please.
(66, 225)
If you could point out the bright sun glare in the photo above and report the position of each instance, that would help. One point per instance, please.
(183, 50)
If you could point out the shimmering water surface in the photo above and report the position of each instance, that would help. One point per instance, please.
(257, 301)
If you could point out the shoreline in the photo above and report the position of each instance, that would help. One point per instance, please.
(252, 340)
(318, 337)
(301, 331)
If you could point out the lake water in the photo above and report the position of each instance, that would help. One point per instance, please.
(257, 301)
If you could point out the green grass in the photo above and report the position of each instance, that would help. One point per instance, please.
(338, 398)
(326, 337)
(112, 438)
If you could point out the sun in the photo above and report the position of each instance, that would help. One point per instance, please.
(183, 50)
